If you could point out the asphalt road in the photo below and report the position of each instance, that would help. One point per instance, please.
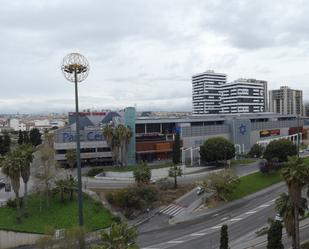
(241, 216)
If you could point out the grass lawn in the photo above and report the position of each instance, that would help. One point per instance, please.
(254, 182)
(242, 161)
(57, 216)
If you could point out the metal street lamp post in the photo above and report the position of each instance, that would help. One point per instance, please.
(75, 68)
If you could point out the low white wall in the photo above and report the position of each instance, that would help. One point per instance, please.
(9, 239)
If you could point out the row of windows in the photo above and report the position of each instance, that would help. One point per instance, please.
(87, 150)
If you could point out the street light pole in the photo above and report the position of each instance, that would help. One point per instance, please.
(75, 68)
(79, 173)
(298, 135)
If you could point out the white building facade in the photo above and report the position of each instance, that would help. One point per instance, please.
(211, 94)
(206, 94)
(244, 96)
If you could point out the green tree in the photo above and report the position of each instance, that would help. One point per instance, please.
(2, 149)
(26, 152)
(256, 150)
(45, 170)
(71, 158)
(274, 236)
(142, 173)
(296, 176)
(222, 183)
(26, 137)
(20, 140)
(175, 171)
(280, 149)
(11, 168)
(35, 137)
(6, 142)
(176, 149)
(224, 239)
(217, 149)
(120, 236)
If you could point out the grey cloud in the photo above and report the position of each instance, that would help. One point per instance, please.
(258, 24)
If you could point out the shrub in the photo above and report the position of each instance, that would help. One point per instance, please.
(133, 199)
(222, 183)
(164, 184)
(93, 172)
(13, 203)
(142, 173)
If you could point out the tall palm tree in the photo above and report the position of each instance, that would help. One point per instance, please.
(26, 152)
(296, 175)
(11, 166)
(124, 134)
(112, 141)
(120, 236)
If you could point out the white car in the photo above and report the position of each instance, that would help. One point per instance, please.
(200, 190)
(278, 217)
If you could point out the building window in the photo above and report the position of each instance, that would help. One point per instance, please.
(104, 149)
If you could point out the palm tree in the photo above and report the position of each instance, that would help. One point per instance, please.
(11, 166)
(112, 141)
(71, 158)
(124, 133)
(296, 175)
(108, 134)
(120, 236)
(26, 151)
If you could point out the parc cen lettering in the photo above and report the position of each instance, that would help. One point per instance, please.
(85, 136)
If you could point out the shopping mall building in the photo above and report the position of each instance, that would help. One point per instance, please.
(153, 137)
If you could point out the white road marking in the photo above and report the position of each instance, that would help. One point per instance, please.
(224, 218)
(251, 212)
(172, 210)
(215, 227)
(264, 206)
(198, 234)
(175, 241)
(215, 215)
(236, 219)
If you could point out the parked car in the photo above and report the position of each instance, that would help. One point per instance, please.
(200, 190)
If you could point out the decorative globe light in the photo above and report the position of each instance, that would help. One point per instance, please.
(75, 67)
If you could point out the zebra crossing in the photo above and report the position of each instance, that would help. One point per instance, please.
(172, 210)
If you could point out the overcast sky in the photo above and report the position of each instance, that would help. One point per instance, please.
(144, 52)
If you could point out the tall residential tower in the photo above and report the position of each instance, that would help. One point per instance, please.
(206, 94)
(286, 101)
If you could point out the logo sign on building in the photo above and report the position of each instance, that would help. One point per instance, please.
(269, 133)
(68, 137)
